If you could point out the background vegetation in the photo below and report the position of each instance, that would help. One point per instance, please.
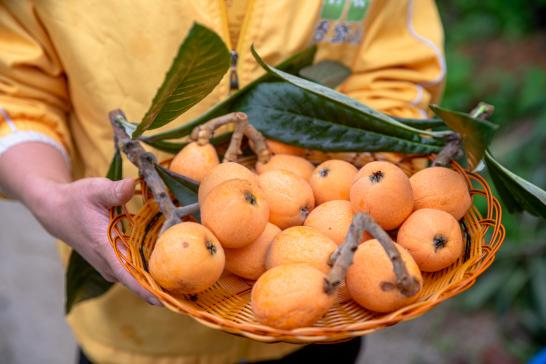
(496, 52)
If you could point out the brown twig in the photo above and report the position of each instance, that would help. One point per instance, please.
(187, 210)
(145, 161)
(234, 149)
(259, 145)
(342, 258)
(202, 134)
(450, 151)
(454, 144)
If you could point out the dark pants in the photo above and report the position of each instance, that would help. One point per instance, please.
(342, 353)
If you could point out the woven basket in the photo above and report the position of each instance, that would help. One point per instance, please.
(226, 305)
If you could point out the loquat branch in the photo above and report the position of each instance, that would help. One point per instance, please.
(454, 144)
(145, 161)
(342, 258)
(202, 134)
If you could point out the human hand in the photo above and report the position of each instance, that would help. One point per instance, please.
(77, 213)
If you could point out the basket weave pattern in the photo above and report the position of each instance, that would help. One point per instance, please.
(226, 305)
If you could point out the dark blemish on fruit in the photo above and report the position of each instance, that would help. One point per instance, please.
(376, 177)
(185, 244)
(249, 197)
(439, 242)
(324, 172)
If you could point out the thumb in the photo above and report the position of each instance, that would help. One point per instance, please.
(117, 193)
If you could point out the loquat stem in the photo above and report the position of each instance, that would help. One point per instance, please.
(454, 145)
(202, 134)
(259, 143)
(145, 161)
(450, 151)
(187, 210)
(234, 149)
(342, 258)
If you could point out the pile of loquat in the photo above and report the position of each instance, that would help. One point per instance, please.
(279, 224)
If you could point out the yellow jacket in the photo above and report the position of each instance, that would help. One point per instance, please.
(65, 64)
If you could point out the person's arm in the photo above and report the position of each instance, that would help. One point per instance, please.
(35, 145)
(75, 212)
(400, 67)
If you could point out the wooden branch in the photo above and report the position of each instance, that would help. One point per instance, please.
(454, 145)
(234, 149)
(449, 151)
(187, 210)
(259, 144)
(342, 258)
(202, 134)
(145, 161)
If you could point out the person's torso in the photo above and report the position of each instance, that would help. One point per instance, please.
(116, 55)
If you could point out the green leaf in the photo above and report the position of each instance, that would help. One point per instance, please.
(175, 147)
(292, 115)
(83, 282)
(476, 133)
(183, 188)
(517, 193)
(376, 121)
(423, 123)
(165, 146)
(115, 171)
(291, 65)
(538, 271)
(328, 73)
(200, 64)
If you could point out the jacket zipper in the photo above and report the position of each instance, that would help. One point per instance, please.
(235, 51)
(233, 77)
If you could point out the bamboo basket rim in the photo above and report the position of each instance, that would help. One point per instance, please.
(471, 268)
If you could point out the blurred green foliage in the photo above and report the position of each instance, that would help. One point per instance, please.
(515, 286)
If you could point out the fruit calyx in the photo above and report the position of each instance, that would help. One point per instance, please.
(250, 198)
(376, 176)
(324, 172)
(210, 247)
(439, 242)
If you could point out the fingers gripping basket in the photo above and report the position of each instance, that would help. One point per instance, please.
(226, 305)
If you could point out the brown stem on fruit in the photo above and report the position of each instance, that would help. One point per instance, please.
(145, 161)
(342, 258)
(202, 134)
(454, 144)
(259, 144)
(449, 152)
(187, 210)
(234, 149)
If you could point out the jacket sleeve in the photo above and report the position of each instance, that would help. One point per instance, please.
(33, 93)
(400, 67)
